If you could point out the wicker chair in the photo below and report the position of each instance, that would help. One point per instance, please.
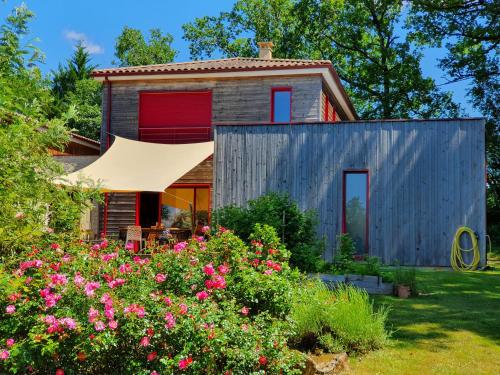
(134, 233)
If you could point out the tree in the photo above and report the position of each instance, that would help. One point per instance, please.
(31, 205)
(131, 48)
(74, 89)
(78, 67)
(470, 31)
(379, 66)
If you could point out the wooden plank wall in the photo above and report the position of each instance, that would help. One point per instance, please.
(427, 178)
(121, 212)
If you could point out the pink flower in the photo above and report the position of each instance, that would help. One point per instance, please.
(129, 246)
(68, 322)
(106, 299)
(52, 299)
(11, 309)
(160, 278)
(169, 318)
(268, 272)
(178, 247)
(135, 309)
(144, 341)
(59, 371)
(55, 246)
(209, 269)
(218, 282)
(4, 354)
(19, 215)
(50, 320)
(99, 326)
(104, 244)
(66, 258)
(91, 287)
(93, 314)
(112, 324)
(108, 257)
(183, 308)
(95, 247)
(168, 301)
(78, 279)
(244, 327)
(109, 312)
(125, 268)
(152, 356)
(184, 363)
(202, 295)
(245, 310)
(154, 373)
(223, 269)
(58, 279)
(262, 360)
(205, 229)
(10, 342)
(116, 282)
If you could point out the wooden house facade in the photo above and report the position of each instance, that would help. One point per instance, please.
(183, 102)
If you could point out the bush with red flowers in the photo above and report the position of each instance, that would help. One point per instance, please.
(212, 306)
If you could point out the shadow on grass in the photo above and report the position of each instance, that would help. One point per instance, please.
(450, 301)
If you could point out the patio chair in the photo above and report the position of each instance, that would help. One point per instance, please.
(134, 233)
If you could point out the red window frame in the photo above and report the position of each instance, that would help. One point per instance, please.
(367, 223)
(280, 89)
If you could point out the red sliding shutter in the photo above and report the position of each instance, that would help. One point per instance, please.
(175, 117)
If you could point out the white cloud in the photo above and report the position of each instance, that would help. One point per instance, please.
(90, 47)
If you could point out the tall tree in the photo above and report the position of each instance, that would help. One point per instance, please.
(379, 64)
(75, 91)
(132, 48)
(78, 67)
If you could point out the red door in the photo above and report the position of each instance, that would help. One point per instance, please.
(175, 116)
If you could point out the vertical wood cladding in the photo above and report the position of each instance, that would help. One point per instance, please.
(426, 178)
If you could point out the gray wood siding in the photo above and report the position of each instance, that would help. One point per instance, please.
(427, 178)
(233, 100)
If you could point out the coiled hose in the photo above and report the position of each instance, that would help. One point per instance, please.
(457, 260)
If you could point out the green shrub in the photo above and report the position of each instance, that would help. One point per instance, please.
(213, 307)
(336, 320)
(343, 261)
(407, 277)
(297, 229)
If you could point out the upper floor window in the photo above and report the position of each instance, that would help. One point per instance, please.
(281, 104)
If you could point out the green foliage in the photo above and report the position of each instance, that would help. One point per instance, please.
(337, 320)
(31, 205)
(407, 277)
(380, 67)
(295, 228)
(200, 307)
(343, 261)
(75, 91)
(132, 48)
(370, 266)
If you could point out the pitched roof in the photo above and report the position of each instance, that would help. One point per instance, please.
(220, 65)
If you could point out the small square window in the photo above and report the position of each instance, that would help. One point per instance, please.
(281, 105)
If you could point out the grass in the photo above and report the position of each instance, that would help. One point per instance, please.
(453, 327)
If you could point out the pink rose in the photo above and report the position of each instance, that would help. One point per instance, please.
(178, 247)
(152, 356)
(129, 246)
(112, 324)
(203, 295)
(109, 312)
(11, 309)
(169, 318)
(10, 342)
(99, 326)
(78, 279)
(68, 322)
(93, 314)
(205, 229)
(223, 269)
(183, 308)
(91, 287)
(160, 278)
(125, 268)
(144, 341)
(4, 354)
(245, 310)
(209, 269)
(168, 301)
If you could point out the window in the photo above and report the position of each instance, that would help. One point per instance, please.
(281, 104)
(355, 207)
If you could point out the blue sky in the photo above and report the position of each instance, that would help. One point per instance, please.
(59, 24)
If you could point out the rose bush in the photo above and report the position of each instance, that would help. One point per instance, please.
(213, 306)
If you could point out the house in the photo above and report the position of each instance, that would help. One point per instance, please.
(400, 188)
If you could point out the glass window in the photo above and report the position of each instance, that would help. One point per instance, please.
(355, 209)
(282, 105)
(185, 208)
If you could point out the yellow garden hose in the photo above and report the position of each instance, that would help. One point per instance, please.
(457, 260)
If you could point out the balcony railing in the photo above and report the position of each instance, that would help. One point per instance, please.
(185, 134)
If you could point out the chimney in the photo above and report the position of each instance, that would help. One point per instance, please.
(265, 50)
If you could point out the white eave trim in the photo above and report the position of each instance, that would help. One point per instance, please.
(324, 72)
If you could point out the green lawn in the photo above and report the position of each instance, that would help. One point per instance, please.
(452, 328)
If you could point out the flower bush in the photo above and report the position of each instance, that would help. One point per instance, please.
(212, 306)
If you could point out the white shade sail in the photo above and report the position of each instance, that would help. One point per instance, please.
(131, 166)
